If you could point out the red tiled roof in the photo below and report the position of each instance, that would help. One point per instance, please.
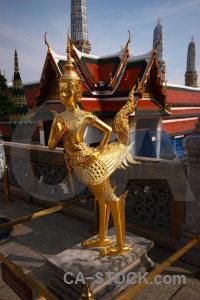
(186, 111)
(30, 96)
(179, 127)
(98, 106)
(6, 131)
(36, 133)
(183, 97)
(9, 92)
(102, 106)
(101, 72)
(45, 112)
(28, 91)
(148, 105)
(129, 79)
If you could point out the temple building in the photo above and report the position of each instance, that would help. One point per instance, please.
(191, 75)
(166, 113)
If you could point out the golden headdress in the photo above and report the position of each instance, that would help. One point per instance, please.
(69, 73)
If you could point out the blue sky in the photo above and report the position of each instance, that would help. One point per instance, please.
(23, 24)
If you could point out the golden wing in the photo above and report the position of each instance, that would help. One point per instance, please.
(111, 158)
(114, 155)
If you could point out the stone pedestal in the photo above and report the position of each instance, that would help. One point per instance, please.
(191, 228)
(107, 275)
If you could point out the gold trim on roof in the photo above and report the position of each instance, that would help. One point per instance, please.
(113, 81)
(152, 84)
(90, 81)
(141, 86)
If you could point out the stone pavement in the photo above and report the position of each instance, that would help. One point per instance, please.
(32, 242)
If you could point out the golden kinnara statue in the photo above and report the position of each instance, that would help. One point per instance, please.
(93, 166)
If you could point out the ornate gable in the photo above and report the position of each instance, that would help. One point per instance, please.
(48, 86)
(152, 85)
(101, 73)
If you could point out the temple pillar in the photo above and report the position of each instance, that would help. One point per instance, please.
(41, 129)
(158, 138)
(133, 135)
(191, 228)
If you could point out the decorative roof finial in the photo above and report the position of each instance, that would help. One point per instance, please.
(129, 40)
(46, 43)
(87, 294)
(159, 20)
(192, 39)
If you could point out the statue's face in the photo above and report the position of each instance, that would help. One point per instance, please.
(67, 93)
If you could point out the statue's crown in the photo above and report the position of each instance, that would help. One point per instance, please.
(69, 73)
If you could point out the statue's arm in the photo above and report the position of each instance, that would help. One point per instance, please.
(55, 136)
(107, 130)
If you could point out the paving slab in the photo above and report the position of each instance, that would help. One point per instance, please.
(154, 291)
(58, 244)
(157, 253)
(187, 270)
(76, 226)
(24, 257)
(39, 232)
(186, 293)
(12, 211)
(7, 293)
(2, 283)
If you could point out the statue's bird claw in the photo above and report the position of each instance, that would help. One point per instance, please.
(96, 242)
(115, 250)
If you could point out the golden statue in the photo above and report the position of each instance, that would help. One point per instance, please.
(93, 166)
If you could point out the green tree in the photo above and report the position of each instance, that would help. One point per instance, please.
(6, 104)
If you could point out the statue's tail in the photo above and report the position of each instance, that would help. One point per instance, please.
(121, 121)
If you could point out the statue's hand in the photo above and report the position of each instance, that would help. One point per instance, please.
(60, 127)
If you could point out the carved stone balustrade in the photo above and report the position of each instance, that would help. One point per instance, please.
(155, 205)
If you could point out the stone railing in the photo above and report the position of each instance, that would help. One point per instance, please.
(157, 188)
(40, 172)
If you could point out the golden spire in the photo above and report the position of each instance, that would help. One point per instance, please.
(69, 64)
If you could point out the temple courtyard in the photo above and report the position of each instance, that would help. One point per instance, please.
(33, 242)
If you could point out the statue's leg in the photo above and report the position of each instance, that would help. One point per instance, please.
(118, 213)
(101, 239)
(104, 219)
